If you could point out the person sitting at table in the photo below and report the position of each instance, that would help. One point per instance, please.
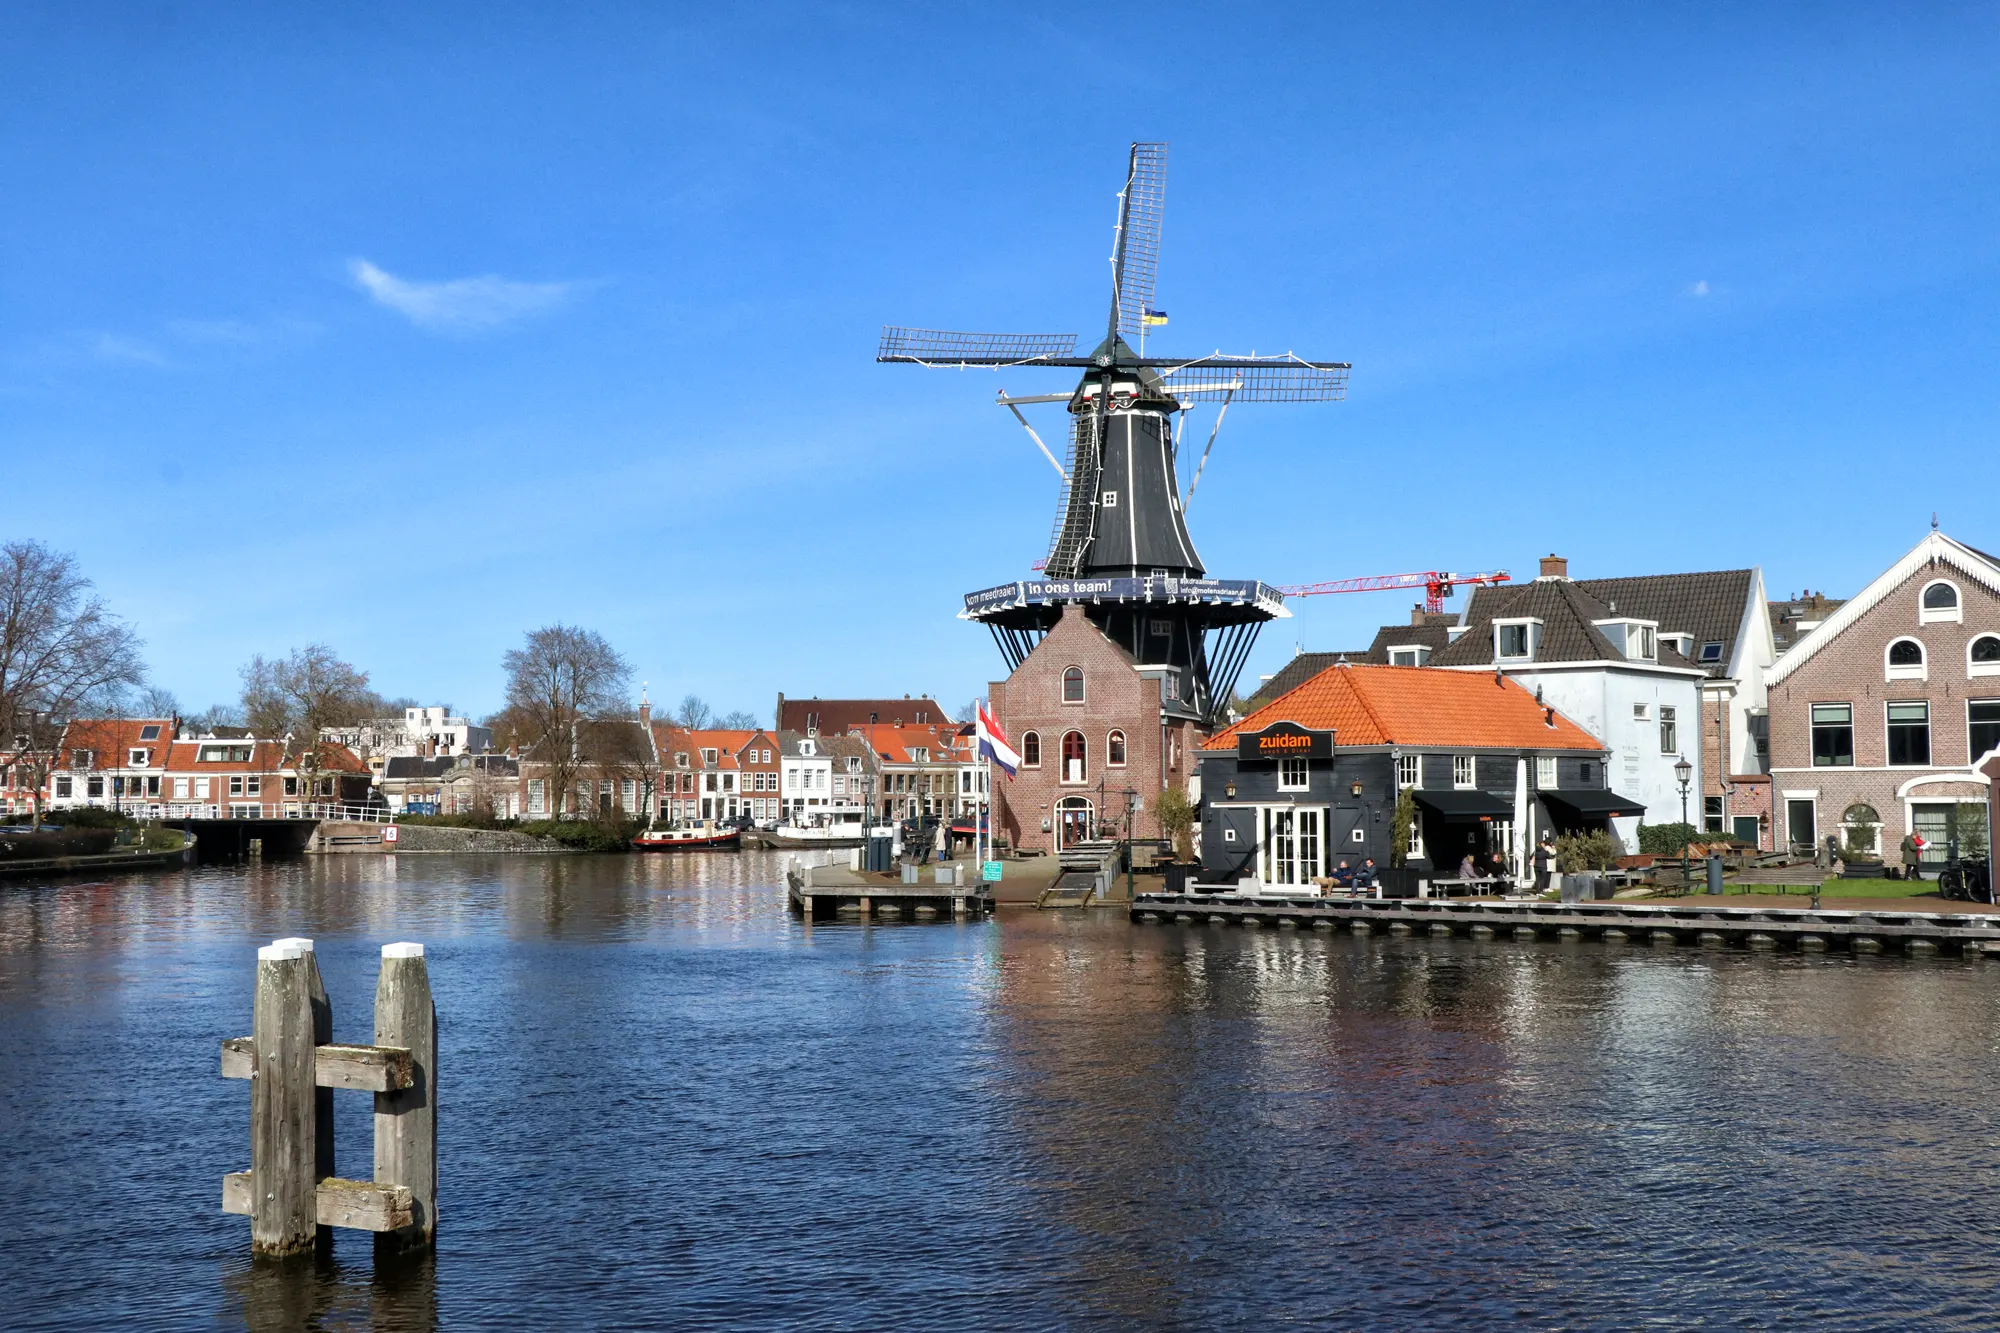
(1499, 870)
(1467, 868)
(1343, 876)
(1366, 878)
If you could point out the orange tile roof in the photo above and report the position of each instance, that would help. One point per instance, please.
(1387, 705)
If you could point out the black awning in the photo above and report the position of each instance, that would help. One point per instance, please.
(1593, 803)
(1466, 804)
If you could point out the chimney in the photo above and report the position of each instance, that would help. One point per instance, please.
(1417, 614)
(1555, 566)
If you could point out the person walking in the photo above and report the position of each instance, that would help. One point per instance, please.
(1543, 855)
(1913, 856)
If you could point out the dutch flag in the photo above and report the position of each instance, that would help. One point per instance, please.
(993, 742)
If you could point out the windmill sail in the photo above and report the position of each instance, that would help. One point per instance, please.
(1136, 260)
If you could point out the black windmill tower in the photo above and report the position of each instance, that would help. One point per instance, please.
(1121, 546)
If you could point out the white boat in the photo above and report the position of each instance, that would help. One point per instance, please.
(832, 828)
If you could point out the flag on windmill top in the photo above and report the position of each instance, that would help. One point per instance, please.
(993, 742)
(1156, 317)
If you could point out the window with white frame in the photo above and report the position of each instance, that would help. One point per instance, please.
(1514, 639)
(1670, 739)
(1904, 659)
(1641, 712)
(1640, 644)
(1415, 846)
(1545, 772)
(1982, 656)
(1939, 602)
(1463, 769)
(1711, 652)
(1409, 771)
(1293, 774)
(1409, 655)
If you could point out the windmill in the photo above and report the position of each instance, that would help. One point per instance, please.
(1120, 544)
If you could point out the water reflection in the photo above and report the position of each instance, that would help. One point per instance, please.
(663, 1101)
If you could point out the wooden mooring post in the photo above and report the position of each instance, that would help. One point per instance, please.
(290, 1193)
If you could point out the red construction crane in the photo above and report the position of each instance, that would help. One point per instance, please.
(1436, 585)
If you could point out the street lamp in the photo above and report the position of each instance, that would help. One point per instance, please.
(1684, 774)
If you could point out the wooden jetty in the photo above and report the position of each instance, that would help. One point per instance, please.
(1692, 923)
(291, 1193)
(818, 892)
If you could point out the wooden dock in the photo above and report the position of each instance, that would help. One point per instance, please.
(1667, 925)
(828, 892)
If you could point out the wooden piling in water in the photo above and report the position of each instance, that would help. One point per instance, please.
(406, 1117)
(290, 1192)
(283, 1106)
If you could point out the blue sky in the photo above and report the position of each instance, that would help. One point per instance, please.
(409, 329)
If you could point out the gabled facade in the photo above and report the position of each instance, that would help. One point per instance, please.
(1881, 716)
(1097, 733)
(1312, 779)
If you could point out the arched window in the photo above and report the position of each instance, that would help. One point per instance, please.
(1073, 685)
(1114, 749)
(1939, 602)
(1031, 749)
(1860, 813)
(1982, 655)
(1073, 767)
(1904, 660)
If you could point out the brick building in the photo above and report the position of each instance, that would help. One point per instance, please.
(1095, 730)
(837, 717)
(1881, 716)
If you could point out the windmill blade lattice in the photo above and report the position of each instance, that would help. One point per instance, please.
(1136, 262)
(1284, 379)
(943, 347)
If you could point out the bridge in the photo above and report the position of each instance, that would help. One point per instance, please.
(223, 831)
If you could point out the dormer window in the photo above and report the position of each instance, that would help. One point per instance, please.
(1640, 643)
(1515, 640)
(1409, 654)
(707, 755)
(919, 755)
(808, 748)
(854, 763)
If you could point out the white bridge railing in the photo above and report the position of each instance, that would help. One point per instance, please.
(326, 810)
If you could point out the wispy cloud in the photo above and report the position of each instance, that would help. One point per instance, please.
(462, 305)
(121, 350)
(1700, 288)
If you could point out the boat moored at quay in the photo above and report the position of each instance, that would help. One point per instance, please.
(693, 838)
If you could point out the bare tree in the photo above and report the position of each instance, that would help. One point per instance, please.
(306, 690)
(62, 654)
(563, 678)
(157, 701)
(739, 720)
(694, 712)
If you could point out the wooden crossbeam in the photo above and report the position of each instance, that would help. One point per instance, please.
(360, 1205)
(362, 1068)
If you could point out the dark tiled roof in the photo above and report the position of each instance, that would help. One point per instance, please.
(1293, 674)
(1787, 616)
(1433, 635)
(1566, 611)
(1709, 605)
(416, 766)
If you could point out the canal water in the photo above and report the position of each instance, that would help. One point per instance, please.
(665, 1103)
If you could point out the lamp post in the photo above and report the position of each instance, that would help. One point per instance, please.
(1684, 774)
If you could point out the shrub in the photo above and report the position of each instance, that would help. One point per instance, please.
(1579, 852)
(1174, 813)
(87, 817)
(585, 835)
(1665, 839)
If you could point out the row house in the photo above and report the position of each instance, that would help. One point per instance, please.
(428, 733)
(139, 766)
(708, 773)
(826, 779)
(921, 768)
(1884, 715)
(465, 784)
